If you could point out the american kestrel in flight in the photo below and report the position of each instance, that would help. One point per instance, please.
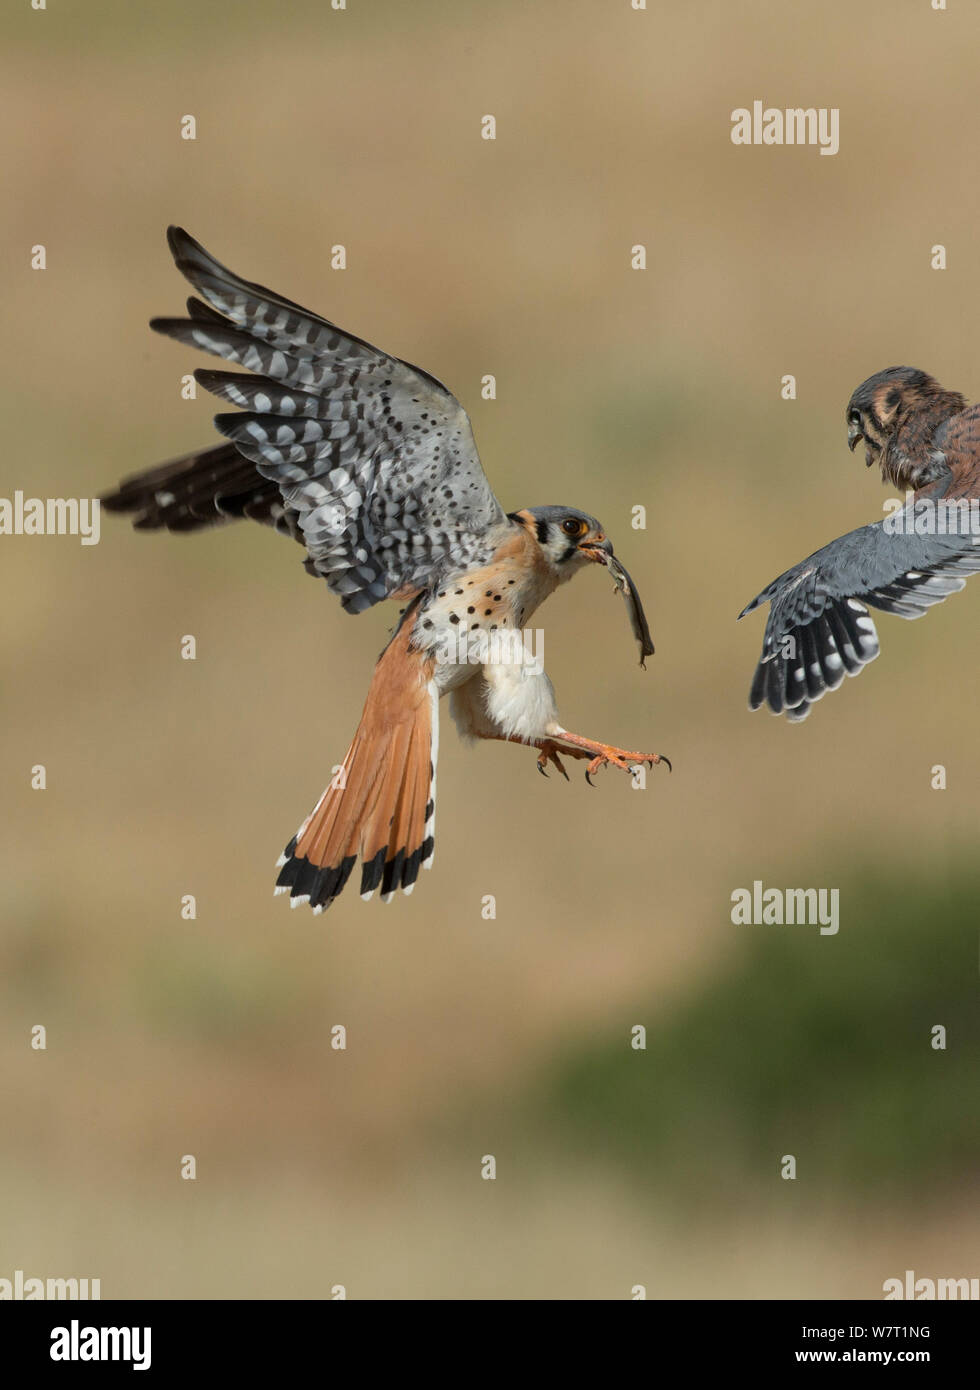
(371, 464)
(927, 444)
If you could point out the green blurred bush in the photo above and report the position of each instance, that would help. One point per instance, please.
(820, 1047)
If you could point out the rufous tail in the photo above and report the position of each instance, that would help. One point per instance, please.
(380, 806)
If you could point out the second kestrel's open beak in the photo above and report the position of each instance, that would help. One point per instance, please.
(854, 433)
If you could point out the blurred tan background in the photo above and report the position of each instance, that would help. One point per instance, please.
(615, 388)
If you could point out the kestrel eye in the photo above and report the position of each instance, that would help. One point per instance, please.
(572, 526)
(854, 417)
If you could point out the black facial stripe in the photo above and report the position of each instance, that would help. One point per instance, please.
(542, 531)
(568, 553)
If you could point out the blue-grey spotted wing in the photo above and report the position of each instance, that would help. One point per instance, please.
(373, 459)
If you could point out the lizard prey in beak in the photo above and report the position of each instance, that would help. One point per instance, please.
(638, 621)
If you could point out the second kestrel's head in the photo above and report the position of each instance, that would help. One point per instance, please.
(888, 401)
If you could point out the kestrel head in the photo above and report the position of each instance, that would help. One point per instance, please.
(568, 538)
(882, 404)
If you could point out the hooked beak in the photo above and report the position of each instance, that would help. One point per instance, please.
(597, 551)
(854, 433)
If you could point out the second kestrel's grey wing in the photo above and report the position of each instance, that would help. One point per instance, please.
(819, 629)
(374, 458)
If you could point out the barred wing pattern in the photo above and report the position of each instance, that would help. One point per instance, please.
(819, 628)
(374, 458)
(208, 488)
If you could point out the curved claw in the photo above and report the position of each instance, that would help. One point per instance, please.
(603, 760)
(549, 754)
